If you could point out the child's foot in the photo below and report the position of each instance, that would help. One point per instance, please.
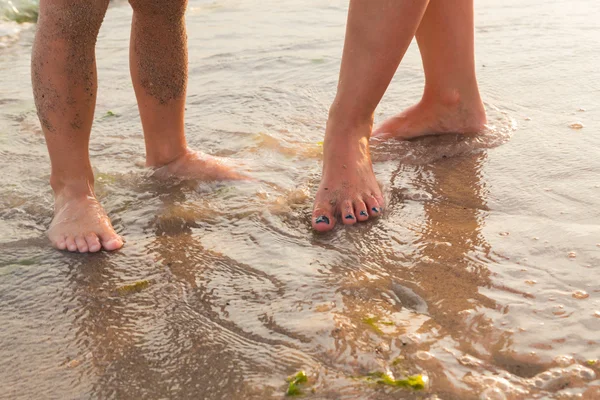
(80, 224)
(348, 189)
(434, 117)
(195, 165)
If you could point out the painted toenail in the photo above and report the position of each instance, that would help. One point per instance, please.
(322, 220)
(364, 213)
(375, 209)
(349, 216)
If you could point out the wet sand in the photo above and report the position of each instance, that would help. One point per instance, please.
(483, 275)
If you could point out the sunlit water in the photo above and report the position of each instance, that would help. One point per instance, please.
(483, 275)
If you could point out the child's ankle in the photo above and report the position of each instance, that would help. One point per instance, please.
(72, 188)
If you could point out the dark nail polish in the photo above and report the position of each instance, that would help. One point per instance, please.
(322, 220)
(375, 209)
(349, 216)
(364, 213)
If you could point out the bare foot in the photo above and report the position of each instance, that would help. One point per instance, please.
(433, 117)
(348, 189)
(195, 165)
(80, 224)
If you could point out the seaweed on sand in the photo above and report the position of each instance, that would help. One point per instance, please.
(373, 321)
(135, 287)
(416, 382)
(293, 383)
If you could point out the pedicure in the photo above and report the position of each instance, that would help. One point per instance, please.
(375, 209)
(349, 216)
(322, 220)
(364, 213)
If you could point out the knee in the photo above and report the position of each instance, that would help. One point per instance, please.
(72, 20)
(170, 8)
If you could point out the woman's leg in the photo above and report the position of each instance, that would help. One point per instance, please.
(63, 73)
(378, 33)
(451, 102)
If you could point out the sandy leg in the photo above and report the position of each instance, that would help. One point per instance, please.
(64, 85)
(159, 71)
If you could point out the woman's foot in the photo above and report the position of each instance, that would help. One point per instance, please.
(81, 225)
(434, 116)
(348, 190)
(195, 165)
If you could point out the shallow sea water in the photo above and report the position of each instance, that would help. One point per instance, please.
(483, 275)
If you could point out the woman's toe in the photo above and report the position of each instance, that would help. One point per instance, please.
(322, 217)
(374, 209)
(361, 210)
(348, 216)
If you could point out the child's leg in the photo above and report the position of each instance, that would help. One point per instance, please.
(451, 102)
(378, 33)
(158, 63)
(64, 85)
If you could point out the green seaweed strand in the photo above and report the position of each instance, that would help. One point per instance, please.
(293, 388)
(415, 382)
(133, 288)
